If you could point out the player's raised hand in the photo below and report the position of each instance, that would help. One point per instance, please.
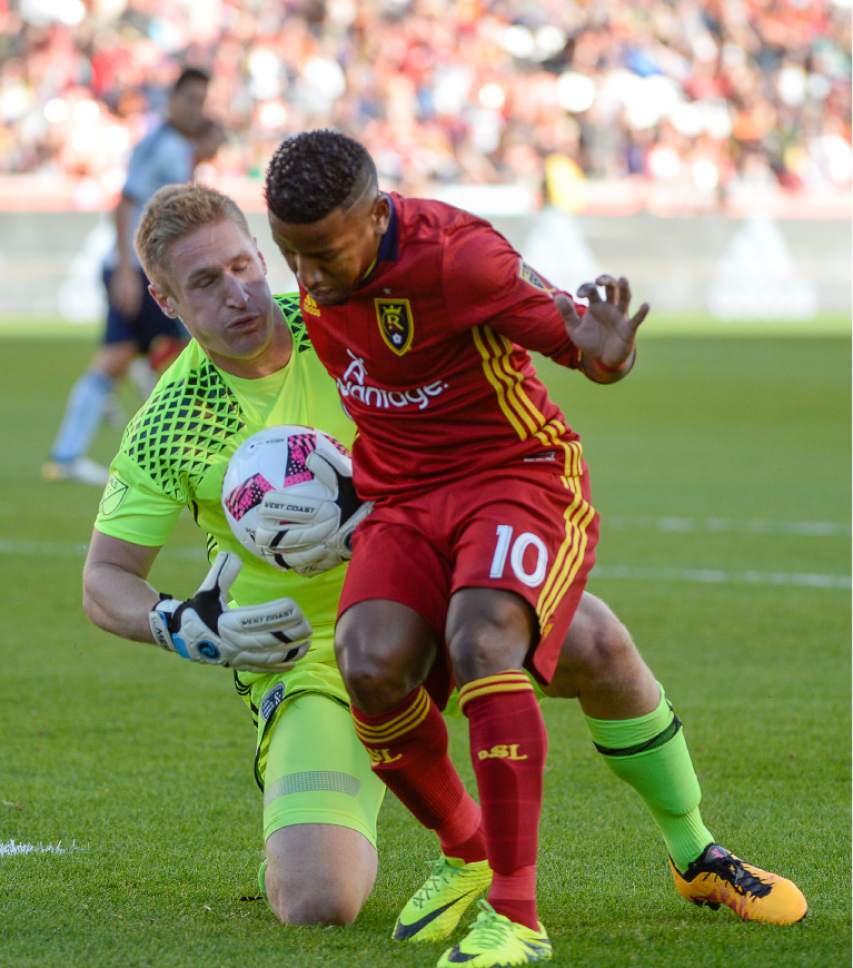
(257, 638)
(605, 333)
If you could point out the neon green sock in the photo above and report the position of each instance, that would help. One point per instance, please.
(650, 753)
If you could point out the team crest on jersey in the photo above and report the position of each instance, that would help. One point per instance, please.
(309, 305)
(114, 494)
(396, 324)
(531, 276)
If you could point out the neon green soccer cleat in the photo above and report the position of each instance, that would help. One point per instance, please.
(434, 910)
(494, 941)
(718, 877)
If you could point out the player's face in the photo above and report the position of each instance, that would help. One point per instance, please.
(331, 256)
(218, 288)
(186, 107)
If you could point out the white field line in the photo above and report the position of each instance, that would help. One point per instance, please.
(810, 529)
(11, 848)
(702, 576)
(718, 576)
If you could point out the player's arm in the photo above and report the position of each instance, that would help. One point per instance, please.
(116, 595)
(125, 284)
(118, 598)
(487, 282)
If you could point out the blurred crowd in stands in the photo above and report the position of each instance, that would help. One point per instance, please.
(714, 96)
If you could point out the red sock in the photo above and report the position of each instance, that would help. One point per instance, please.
(408, 751)
(508, 747)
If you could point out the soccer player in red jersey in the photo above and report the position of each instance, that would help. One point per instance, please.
(472, 565)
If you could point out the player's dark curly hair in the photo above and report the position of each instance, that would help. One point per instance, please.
(315, 172)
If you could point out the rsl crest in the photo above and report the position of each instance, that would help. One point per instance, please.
(396, 324)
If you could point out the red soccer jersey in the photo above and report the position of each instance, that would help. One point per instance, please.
(430, 354)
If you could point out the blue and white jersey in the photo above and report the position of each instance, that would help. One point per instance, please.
(164, 156)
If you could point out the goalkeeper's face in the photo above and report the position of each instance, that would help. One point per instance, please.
(217, 286)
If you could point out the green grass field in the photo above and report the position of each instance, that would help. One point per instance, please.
(721, 468)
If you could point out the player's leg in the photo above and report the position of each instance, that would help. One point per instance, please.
(635, 729)
(321, 802)
(489, 633)
(84, 412)
(386, 649)
(632, 724)
(521, 561)
(89, 399)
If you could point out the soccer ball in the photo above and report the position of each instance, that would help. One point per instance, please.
(312, 475)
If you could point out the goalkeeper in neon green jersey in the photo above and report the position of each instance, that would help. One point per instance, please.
(250, 365)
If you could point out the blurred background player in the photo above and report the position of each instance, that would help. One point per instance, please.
(135, 324)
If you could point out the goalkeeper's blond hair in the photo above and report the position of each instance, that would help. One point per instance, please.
(173, 213)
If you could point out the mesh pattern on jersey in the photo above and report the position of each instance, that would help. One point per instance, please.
(184, 424)
(288, 303)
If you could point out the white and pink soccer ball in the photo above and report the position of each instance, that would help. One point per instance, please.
(280, 459)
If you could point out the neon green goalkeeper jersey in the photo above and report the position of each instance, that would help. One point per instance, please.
(176, 448)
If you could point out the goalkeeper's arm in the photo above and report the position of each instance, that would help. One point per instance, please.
(118, 598)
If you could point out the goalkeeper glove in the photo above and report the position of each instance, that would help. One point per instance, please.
(256, 638)
(313, 534)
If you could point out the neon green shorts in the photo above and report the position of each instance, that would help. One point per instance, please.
(309, 762)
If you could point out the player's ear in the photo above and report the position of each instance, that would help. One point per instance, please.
(380, 214)
(163, 300)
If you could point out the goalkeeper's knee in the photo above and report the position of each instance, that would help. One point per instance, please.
(297, 899)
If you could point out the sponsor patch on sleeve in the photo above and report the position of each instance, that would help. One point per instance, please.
(532, 277)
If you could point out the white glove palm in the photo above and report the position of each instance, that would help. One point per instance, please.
(256, 638)
(313, 534)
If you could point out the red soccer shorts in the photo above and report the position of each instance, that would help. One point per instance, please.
(528, 528)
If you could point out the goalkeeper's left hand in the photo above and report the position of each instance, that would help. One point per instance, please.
(308, 532)
(268, 637)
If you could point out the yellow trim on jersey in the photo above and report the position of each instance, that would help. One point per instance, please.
(578, 516)
(498, 385)
(489, 685)
(508, 384)
(527, 421)
(404, 722)
(502, 351)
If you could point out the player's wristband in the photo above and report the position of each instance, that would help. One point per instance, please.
(625, 365)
